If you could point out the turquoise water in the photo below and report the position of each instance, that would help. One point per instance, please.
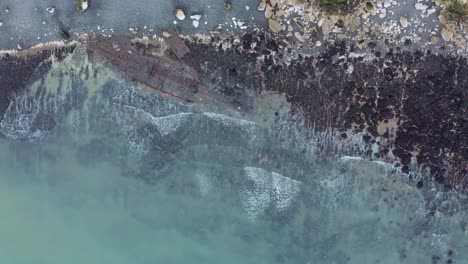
(93, 172)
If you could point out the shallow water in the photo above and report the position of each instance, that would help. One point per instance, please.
(93, 172)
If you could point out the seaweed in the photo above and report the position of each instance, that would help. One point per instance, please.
(339, 6)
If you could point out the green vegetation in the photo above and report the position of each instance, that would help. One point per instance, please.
(458, 8)
(339, 6)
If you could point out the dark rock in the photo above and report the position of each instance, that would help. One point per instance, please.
(420, 184)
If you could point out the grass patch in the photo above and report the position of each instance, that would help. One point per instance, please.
(458, 8)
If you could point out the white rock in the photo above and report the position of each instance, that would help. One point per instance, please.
(133, 30)
(404, 22)
(1, 24)
(195, 23)
(179, 13)
(83, 5)
(51, 9)
(430, 11)
(195, 17)
(383, 13)
(420, 6)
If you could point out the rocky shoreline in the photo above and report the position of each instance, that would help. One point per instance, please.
(401, 107)
(388, 79)
(409, 108)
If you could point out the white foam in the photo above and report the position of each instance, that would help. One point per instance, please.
(267, 188)
(204, 184)
(247, 126)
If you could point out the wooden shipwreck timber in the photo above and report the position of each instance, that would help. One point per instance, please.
(158, 69)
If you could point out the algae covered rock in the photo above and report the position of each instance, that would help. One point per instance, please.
(82, 5)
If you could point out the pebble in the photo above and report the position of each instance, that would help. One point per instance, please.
(1, 24)
(404, 22)
(299, 36)
(179, 13)
(83, 5)
(262, 5)
(383, 13)
(51, 9)
(196, 17)
(133, 30)
(195, 23)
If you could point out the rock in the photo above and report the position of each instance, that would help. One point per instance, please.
(420, 6)
(175, 43)
(82, 5)
(166, 34)
(355, 24)
(227, 6)
(420, 184)
(195, 23)
(446, 34)
(262, 5)
(195, 17)
(51, 9)
(404, 22)
(269, 12)
(274, 25)
(431, 11)
(133, 30)
(216, 30)
(299, 36)
(327, 26)
(1, 23)
(64, 34)
(179, 13)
